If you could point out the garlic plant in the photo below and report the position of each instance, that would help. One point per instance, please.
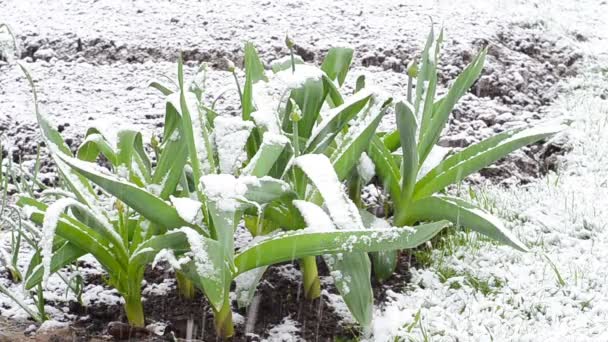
(416, 177)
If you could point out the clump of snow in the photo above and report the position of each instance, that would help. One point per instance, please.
(188, 209)
(161, 289)
(224, 189)
(366, 168)
(51, 325)
(315, 217)
(286, 331)
(231, 134)
(302, 74)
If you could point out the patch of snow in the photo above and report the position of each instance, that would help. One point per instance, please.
(188, 209)
(286, 331)
(231, 134)
(366, 168)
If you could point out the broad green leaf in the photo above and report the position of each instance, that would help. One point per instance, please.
(254, 72)
(334, 98)
(271, 149)
(464, 214)
(429, 70)
(384, 261)
(337, 62)
(288, 246)
(423, 73)
(458, 166)
(325, 133)
(187, 106)
(93, 145)
(351, 271)
(309, 95)
(83, 238)
(443, 108)
(391, 140)
(143, 202)
(253, 65)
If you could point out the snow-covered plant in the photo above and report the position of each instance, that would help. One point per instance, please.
(416, 177)
(186, 209)
(303, 106)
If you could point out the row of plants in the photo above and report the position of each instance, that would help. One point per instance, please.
(290, 168)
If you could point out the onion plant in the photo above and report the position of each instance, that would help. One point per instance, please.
(186, 208)
(415, 173)
(305, 106)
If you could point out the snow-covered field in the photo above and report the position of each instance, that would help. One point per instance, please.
(93, 61)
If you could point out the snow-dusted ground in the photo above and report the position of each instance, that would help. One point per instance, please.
(562, 216)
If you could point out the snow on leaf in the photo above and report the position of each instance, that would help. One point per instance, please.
(188, 209)
(315, 217)
(201, 258)
(342, 210)
(231, 134)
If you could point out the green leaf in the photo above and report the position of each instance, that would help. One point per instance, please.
(297, 244)
(148, 205)
(406, 123)
(285, 63)
(253, 65)
(271, 149)
(334, 98)
(475, 157)
(357, 139)
(77, 184)
(337, 62)
(208, 269)
(325, 133)
(309, 97)
(384, 261)
(464, 214)
(424, 71)
(443, 108)
(164, 90)
(93, 145)
(386, 168)
(351, 271)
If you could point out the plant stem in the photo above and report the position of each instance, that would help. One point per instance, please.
(312, 285)
(185, 286)
(293, 61)
(238, 86)
(224, 327)
(134, 309)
